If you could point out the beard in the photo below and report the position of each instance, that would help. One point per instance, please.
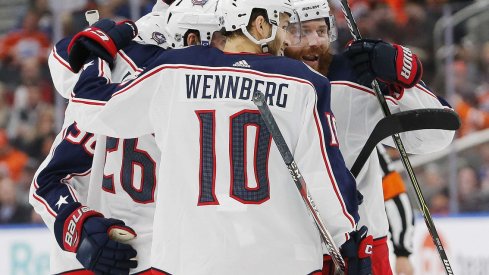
(317, 57)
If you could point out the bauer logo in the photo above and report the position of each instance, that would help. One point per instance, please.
(199, 2)
(158, 37)
(407, 63)
(310, 8)
(430, 261)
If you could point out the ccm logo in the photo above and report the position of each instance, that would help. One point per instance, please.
(368, 249)
(407, 63)
(71, 236)
(100, 34)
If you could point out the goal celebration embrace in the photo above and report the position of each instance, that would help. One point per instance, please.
(230, 137)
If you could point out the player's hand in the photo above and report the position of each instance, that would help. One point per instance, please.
(390, 63)
(357, 252)
(404, 266)
(87, 233)
(103, 39)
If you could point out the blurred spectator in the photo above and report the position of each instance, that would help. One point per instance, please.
(74, 20)
(26, 42)
(4, 107)
(45, 16)
(439, 203)
(472, 118)
(31, 119)
(12, 160)
(25, 179)
(10, 210)
(466, 101)
(432, 178)
(32, 74)
(468, 188)
(484, 166)
(44, 138)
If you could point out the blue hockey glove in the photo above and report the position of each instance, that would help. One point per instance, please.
(83, 231)
(393, 64)
(357, 252)
(103, 39)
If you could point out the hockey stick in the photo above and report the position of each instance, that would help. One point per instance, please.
(259, 100)
(91, 16)
(443, 119)
(404, 158)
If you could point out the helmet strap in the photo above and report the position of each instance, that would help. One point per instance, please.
(262, 42)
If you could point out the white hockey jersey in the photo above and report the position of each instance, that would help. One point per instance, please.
(116, 177)
(226, 202)
(357, 111)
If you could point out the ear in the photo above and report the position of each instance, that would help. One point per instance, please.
(260, 28)
(192, 39)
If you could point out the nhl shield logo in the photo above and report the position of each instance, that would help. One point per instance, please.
(199, 2)
(158, 37)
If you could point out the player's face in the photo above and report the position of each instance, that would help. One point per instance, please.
(314, 43)
(277, 46)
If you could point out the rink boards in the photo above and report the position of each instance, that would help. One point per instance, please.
(24, 250)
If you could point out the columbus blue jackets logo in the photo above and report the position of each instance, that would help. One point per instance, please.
(199, 2)
(158, 37)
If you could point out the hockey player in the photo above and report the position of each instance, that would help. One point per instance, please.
(356, 110)
(122, 172)
(225, 198)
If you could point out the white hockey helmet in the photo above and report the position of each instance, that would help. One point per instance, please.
(236, 14)
(160, 6)
(184, 15)
(316, 9)
(151, 30)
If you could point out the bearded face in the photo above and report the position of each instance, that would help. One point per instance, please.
(313, 48)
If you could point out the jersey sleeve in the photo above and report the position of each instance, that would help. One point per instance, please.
(422, 141)
(114, 109)
(63, 176)
(358, 111)
(64, 79)
(128, 61)
(312, 158)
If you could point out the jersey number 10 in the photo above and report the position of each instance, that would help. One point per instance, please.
(240, 125)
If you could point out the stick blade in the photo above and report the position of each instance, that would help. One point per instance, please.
(412, 120)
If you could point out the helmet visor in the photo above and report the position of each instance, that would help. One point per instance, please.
(294, 30)
(315, 32)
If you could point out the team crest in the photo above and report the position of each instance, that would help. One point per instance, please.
(199, 2)
(158, 37)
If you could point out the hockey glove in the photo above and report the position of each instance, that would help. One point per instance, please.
(390, 63)
(83, 231)
(103, 39)
(357, 252)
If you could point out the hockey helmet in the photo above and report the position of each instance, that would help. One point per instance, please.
(183, 15)
(236, 14)
(160, 6)
(316, 9)
(151, 30)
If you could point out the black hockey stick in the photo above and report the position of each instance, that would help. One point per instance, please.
(443, 119)
(404, 157)
(259, 100)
